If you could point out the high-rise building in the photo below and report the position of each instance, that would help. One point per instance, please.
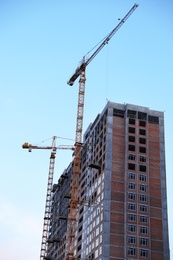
(122, 189)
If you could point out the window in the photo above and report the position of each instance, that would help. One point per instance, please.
(142, 140)
(131, 147)
(131, 196)
(131, 186)
(131, 175)
(131, 251)
(131, 121)
(131, 157)
(131, 228)
(143, 208)
(143, 230)
(142, 123)
(142, 116)
(142, 131)
(142, 168)
(131, 240)
(143, 159)
(144, 253)
(131, 113)
(118, 113)
(142, 149)
(143, 219)
(79, 238)
(143, 177)
(131, 206)
(131, 166)
(143, 187)
(153, 119)
(131, 138)
(132, 130)
(131, 217)
(143, 197)
(143, 241)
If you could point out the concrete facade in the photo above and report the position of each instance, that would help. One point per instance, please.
(122, 187)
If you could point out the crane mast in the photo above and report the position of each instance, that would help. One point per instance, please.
(47, 213)
(80, 72)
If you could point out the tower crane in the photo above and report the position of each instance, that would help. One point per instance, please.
(80, 72)
(47, 214)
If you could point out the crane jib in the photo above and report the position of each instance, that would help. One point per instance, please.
(110, 35)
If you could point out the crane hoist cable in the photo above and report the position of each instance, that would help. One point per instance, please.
(80, 72)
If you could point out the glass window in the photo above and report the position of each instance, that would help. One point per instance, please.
(143, 241)
(131, 228)
(131, 206)
(143, 187)
(131, 251)
(131, 186)
(131, 175)
(131, 196)
(144, 253)
(143, 159)
(131, 217)
(143, 177)
(143, 230)
(131, 157)
(143, 208)
(143, 219)
(131, 240)
(143, 198)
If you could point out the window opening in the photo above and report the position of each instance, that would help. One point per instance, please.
(131, 113)
(132, 130)
(131, 147)
(142, 123)
(142, 168)
(118, 113)
(142, 131)
(142, 149)
(131, 121)
(142, 140)
(131, 138)
(153, 119)
(131, 166)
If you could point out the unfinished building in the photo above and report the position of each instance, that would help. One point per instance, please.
(122, 189)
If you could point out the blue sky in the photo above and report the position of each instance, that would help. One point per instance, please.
(41, 45)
